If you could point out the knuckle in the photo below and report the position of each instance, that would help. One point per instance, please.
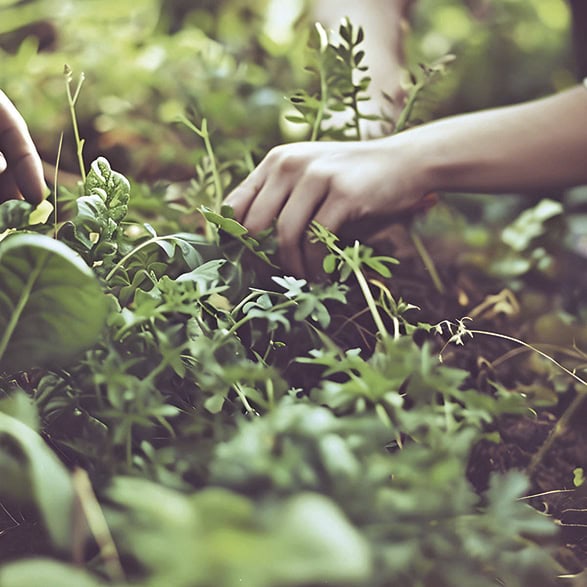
(285, 160)
(318, 172)
(288, 238)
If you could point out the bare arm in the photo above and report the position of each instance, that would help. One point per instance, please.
(358, 185)
(539, 144)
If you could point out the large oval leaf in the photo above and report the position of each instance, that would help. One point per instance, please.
(46, 572)
(30, 471)
(51, 304)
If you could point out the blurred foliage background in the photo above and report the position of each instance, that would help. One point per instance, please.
(234, 62)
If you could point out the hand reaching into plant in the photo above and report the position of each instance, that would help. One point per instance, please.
(355, 187)
(21, 171)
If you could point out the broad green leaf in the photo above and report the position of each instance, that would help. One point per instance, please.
(51, 305)
(30, 470)
(20, 406)
(46, 572)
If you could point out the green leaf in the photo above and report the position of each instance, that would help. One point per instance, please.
(51, 305)
(319, 543)
(21, 407)
(111, 186)
(48, 573)
(14, 214)
(329, 263)
(531, 224)
(39, 475)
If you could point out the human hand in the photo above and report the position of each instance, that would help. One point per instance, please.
(352, 188)
(21, 170)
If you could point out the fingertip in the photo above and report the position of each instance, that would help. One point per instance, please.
(28, 174)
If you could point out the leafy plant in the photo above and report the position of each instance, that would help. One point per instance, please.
(209, 420)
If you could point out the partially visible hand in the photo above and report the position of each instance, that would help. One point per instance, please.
(21, 170)
(352, 188)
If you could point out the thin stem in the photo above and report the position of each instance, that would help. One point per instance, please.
(370, 302)
(366, 291)
(124, 259)
(239, 323)
(322, 108)
(242, 396)
(56, 183)
(357, 115)
(427, 260)
(532, 348)
(407, 110)
(564, 420)
(556, 431)
(72, 99)
(98, 525)
(205, 136)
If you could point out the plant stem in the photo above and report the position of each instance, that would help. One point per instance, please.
(124, 259)
(98, 525)
(427, 260)
(72, 102)
(365, 289)
(564, 420)
(362, 281)
(556, 431)
(532, 348)
(241, 394)
(322, 107)
(56, 184)
(205, 136)
(407, 110)
(239, 323)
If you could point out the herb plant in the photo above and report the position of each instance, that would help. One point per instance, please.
(175, 411)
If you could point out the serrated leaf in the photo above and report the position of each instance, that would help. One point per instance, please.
(51, 305)
(112, 186)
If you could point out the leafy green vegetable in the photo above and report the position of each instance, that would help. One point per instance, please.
(51, 305)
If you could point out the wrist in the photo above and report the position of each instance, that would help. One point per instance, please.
(447, 159)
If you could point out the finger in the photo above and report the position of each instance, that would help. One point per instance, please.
(8, 188)
(294, 219)
(268, 203)
(241, 198)
(20, 152)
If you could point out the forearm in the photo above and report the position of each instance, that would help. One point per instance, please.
(535, 145)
